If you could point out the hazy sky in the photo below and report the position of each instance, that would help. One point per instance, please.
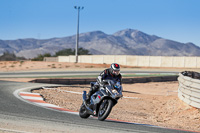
(177, 20)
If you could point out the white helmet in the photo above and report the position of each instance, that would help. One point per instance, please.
(115, 69)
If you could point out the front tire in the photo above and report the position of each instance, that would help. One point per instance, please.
(105, 109)
(83, 112)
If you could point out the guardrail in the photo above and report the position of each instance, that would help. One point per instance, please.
(189, 88)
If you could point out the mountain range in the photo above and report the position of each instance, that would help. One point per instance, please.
(124, 42)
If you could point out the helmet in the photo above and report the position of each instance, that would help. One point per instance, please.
(115, 69)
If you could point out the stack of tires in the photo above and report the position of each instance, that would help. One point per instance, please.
(189, 88)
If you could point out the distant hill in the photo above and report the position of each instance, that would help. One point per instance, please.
(125, 42)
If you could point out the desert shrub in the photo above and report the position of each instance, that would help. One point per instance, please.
(64, 52)
(8, 56)
(40, 57)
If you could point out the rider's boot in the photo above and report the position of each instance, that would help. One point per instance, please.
(93, 89)
(89, 96)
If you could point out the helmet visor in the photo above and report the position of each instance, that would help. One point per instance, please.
(116, 72)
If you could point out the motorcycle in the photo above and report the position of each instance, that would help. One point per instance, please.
(101, 102)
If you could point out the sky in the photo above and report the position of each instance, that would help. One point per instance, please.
(177, 20)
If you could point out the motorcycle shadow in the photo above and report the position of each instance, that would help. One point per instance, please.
(131, 92)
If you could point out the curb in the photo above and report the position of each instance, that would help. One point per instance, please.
(36, 98)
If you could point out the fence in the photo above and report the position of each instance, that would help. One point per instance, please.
(189, 88)
(136, 61)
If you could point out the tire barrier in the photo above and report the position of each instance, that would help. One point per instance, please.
(73, 81)
(189, 88)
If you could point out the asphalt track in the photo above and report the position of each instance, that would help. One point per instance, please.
(17, 115)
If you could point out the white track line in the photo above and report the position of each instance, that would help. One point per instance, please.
(33, 98)
(82, 93)
(15, 131)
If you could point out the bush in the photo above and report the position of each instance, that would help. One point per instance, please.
(41, 57)
(64, 52)
(7, 56)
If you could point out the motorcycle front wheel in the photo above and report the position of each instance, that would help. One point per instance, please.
(105, 109)
(82, 112)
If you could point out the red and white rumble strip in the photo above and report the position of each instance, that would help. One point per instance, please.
(36, 98)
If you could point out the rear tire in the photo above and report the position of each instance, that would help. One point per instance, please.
(105, 109)
(83, 112)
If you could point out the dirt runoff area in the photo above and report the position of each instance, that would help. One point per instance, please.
(154, 103)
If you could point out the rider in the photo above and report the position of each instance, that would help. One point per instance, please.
(112, 73)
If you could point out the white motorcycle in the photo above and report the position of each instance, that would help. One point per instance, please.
(101, 102)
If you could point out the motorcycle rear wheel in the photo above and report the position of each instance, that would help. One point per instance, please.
(82, 112)
(105, 109)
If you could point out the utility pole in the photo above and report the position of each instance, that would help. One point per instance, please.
(77, 35)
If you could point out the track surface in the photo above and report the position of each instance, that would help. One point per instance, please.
(19, 116)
